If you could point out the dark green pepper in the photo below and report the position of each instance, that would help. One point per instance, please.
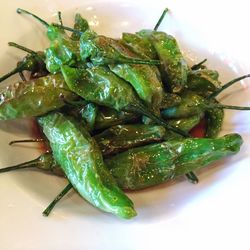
(81, 160)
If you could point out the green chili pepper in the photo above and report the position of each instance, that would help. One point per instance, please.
(99, 85)
(81, 24)
(122, 137)
(174, 68)
(33, 98)
(144, 80)
(102, 50)
(194, 104)
(204, 82)
(154, 164)
(79, 157)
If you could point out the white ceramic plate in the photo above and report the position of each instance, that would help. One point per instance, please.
(211, 215)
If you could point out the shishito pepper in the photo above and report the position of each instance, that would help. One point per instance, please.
(154, 164)
(174, 68)
(81, 160)
(33, 98)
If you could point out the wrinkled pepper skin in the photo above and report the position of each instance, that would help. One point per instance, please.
(173, 62)
(122, 137)
(174, 67)
(144, 80)
(34, 98)
(99, 85)
(204, 82)
(81, 160)
(154, 164)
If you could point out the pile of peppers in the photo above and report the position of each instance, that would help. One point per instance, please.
(116, 114)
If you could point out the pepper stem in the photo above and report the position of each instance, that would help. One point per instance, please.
(12, 72)
(22, 76)
(68, 28)
(12, 44)
(192, 178)
(161, 18)
(28, 164)
(227, 85)
(26, 140)
(21, 11)
(198, 65)
(48, 210)
(222, 106)
(59, 14)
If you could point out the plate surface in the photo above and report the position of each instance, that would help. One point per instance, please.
(211, 215)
